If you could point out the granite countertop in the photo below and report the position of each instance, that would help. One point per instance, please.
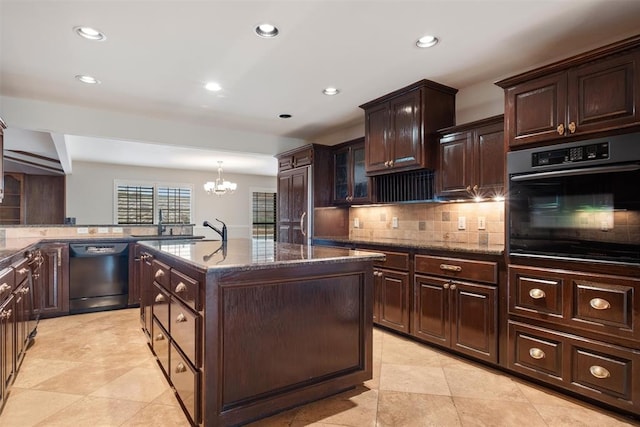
(412, 244)
(245, 254)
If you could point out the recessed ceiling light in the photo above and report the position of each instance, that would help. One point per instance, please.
(213, 87)
(88, 79)
(266, 30)
(427, 41)
(285, 116)
(90, 33)
(331, 91)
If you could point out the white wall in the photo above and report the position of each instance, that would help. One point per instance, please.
(90, 195)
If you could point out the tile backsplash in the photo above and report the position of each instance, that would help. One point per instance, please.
(481, 223)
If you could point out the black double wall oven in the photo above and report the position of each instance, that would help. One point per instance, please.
(576, 201)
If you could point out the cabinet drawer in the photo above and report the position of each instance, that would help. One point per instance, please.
(478, 271)
(160, 273)
(22, 271)
(535, 291)
(185, 330)
(602, 372)
(160, 305)
(7, 282)
(604, 303)
(535, 350)
(160, 345)
(396, 260)
(186, 288)
(186, 381)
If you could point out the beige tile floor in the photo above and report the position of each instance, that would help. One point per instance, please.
(96, 370)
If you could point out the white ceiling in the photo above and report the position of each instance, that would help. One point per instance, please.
(159, 54)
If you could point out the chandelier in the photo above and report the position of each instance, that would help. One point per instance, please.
(220, 186)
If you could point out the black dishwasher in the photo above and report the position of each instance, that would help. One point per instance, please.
(98, 276)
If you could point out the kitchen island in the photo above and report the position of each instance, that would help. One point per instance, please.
(246, 329)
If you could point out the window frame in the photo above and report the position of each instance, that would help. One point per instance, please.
(253, 190)
(155, 185)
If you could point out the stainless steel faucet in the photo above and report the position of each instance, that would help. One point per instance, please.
(222, 233)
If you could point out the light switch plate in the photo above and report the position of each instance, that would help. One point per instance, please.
(462, 223)
(83, 230)
(103, 230)
(394, 222)
(482, 223)
(116, 230)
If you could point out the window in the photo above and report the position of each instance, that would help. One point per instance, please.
(264, 215)
(141, 203)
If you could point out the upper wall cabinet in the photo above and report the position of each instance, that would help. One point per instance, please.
(350, 182)
(471, 160)
(597, 91)
(400, 126)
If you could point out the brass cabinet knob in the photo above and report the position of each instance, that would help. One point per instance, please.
(560, 129)
(160, 298)
(572, 127)
(181, 287)
(4, 288)
(25, 290)
(390, 163)
(536, 353)
(181, 318)
(446, 286)
(159, 337)
(599, 372)
(453, 286)
(159, 273)
(180, 368)
(536, 293)
(386, 164)
(599, 304)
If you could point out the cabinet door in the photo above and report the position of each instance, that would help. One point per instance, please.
(341, 172)
(394, 300)
(376, 128)
(474, 320)
(405, 149)
(455, 164)
(431, 310)
(293, 200)
(22, 314)
(489, 160)
(604, 95)
(51, 288)
(7, 342)
(535, 109)
(360, 181)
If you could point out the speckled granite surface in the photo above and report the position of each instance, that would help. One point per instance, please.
(245, 254)
(414, 244)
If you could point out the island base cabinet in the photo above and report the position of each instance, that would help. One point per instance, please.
(186, 382)
(598, 370)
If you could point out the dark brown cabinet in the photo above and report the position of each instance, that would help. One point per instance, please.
(590, 93)
(33, 199)
(350, 182)
(472, 160)
(51, 287)
(400, 126)
(12, 211)
(391, 291)
(454, 312)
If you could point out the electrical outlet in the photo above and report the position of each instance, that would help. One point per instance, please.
(82, 230)
(116, 230)
(462, 223)
(394, 222)
(482, 223)
(356, 223)
(103, 230)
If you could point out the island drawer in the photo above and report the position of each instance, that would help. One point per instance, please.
(186, 288)
(395, 260)
(463, 269)
(160, 273)
(160, 345)
(161, 301)
(22, 271)
(6, 282)
(185, 330)
(186, 381)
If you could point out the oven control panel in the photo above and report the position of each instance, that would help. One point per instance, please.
(571, 155)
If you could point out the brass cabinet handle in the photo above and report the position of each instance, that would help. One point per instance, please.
(6, 314)
(536, 353)
(448, 267)
(536, 293)
(160, 298)
(599, 304)
(446, 286)
(23, 270)
(159, 273)
(390, 163)
(386, 164)
(180, 368)
(159, 337)
(302, 224)
(25, 290)
(560, 129)
(181, 287)
(4, 288)
(599, 372)
(181, 318)
(468, 188)
(572, 127)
